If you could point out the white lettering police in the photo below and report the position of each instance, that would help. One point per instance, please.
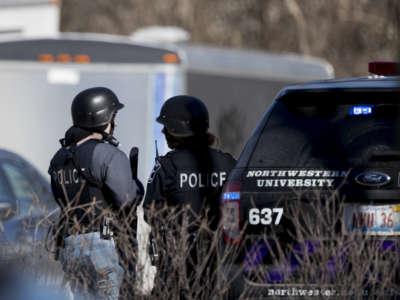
(200, 180)
(66, 176)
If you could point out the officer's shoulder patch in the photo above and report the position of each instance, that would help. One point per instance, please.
(156, 167)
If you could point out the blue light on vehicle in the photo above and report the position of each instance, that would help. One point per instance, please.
(231, 196)
(361, 110)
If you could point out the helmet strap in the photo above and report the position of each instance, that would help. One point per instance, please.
(109, 137)
(112, 125)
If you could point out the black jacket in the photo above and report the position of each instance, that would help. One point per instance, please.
(193, 177)
(95, 173)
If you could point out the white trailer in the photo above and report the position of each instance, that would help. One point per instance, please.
(40, 76)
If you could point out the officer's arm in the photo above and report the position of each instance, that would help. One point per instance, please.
(158, 188)
(117, 177)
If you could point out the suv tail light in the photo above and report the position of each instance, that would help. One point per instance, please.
(231, 211)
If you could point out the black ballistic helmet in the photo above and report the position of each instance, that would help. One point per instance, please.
(94, 107)
(184, 116)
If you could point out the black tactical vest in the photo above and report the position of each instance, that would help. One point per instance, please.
(190, 177)
(81, 198)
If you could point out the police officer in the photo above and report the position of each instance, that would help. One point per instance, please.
(91, 181)
(191, 176)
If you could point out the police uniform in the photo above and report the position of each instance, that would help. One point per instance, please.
(182, 192)
(189, 180)
(192, 177)
(91, 181)
(87, 181)
(94, 174)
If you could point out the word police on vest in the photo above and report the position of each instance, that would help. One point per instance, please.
(201, 180)
(66, 177)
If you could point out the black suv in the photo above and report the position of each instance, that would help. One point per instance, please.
(322, 164)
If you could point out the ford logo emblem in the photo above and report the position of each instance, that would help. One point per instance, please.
(372, 178)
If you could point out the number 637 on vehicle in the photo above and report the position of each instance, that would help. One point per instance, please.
(265, 216)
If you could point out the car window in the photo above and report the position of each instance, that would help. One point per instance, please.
(22, 188)
(323, 134)
(41, 187)
(5, 193)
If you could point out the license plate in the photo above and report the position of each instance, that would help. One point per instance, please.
(372, 219)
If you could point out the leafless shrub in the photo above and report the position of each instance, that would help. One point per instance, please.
(318, 258)
(188, 259)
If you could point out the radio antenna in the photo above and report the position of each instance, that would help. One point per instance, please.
(156, 150)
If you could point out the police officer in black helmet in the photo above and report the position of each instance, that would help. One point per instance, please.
(91, 182)
(190, 176)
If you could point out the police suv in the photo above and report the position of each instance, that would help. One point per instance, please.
(323, 163)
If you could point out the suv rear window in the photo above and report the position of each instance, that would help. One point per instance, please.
(337, 130)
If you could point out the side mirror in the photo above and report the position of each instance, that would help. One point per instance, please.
(6, 211)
